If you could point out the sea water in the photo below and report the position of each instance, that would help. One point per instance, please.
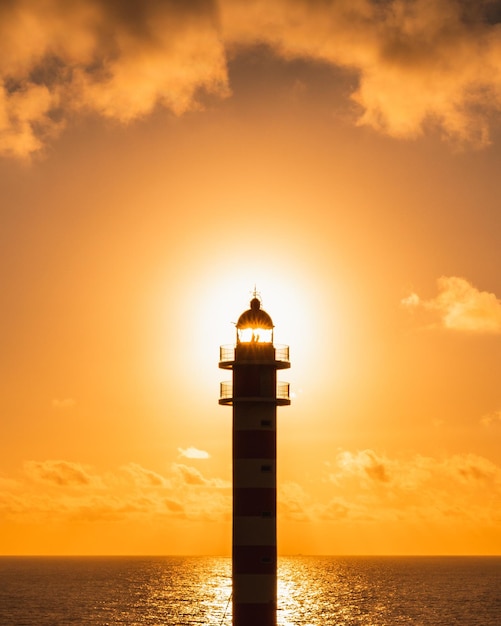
(323, 591)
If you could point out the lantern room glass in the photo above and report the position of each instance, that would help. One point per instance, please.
(255, 335)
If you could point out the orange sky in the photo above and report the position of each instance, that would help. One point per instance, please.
(157, 162)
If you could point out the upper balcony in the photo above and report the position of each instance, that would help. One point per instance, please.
(255, 353)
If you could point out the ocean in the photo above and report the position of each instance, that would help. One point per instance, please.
(323, 591)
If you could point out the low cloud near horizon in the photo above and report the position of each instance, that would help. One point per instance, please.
(418, 64)
(364, 485)
(369, 486)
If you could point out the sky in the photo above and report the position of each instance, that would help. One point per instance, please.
(160, 160)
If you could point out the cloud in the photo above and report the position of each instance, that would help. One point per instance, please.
(416, 63)
(371, 469)
(293, 502)
(193, 453)
(370, 486)
(174, 506)
(60, 473)
(58, 490)
(491, 419)
(460, 306)
(145, 477)
(63, 403)
(364, 486)
(116, 59)
(364, 464)
(188, 475)
(471, 469)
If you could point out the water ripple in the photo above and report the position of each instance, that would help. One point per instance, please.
(313, 591)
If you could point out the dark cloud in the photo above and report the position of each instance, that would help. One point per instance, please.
(119, 59)
(419, 63)
(377, 471)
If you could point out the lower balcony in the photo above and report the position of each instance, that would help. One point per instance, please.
(281, 398)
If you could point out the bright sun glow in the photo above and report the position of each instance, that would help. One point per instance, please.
(255, 335)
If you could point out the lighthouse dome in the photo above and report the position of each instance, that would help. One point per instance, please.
(255, 317)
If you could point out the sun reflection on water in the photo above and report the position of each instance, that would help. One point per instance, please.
(294, 597)
(216, 592)
(331, 591)
(316, 590)
(312, 591)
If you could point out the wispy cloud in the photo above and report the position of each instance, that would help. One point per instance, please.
(491, 419)
(63, 403)
(65, 490)
(416, 64)
(61, 473)
(370, 468)
(364, 486)
(371, 486)
(460, 306)
(188, 475)
(293, 502)
(145, 477)
(174, 506)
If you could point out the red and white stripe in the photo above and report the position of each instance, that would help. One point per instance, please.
(254, 514)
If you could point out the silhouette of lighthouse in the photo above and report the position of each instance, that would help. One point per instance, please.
(255, 394)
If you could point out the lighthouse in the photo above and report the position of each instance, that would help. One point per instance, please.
(254, 394)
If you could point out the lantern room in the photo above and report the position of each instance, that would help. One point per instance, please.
(254, 325)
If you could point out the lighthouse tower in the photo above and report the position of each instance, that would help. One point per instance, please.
(254, 394)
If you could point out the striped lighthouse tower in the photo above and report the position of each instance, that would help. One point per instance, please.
(254, 394)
